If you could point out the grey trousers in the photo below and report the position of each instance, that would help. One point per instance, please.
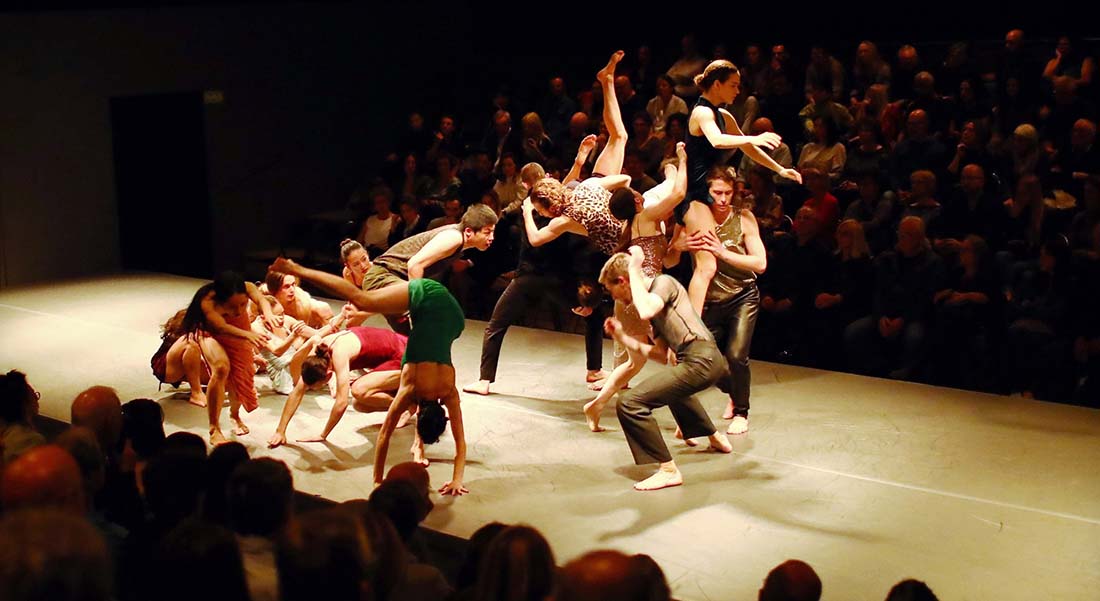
(700, 366)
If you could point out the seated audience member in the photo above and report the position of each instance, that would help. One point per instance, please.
(99, 409)
(478, 178)
(185, 443)
(577, 132)
(446, 140)
(911, 590)
(45, 476)
(792, 580)
(825, 206)
(825, 151)
(665, 104)
(142, 433)
(649, 146)
(969, 106)
(452, 214)
(466, 580)
(172, 486)
(518, 564)
(409, 184)
(326, 555)
(412, 223)
(1037, 345)
(1057, 117)
(375, 231)
(796, 264)
(608, 575)
(823, 106)
(877, 108)
(444, 184)
(1084, 223)
(867, 156)
(824, 70)
(82, 445)
(780, 154)
(557, 108)
(919, 150)
(676, 131)
(971, 209)
(874, 209)
(922, 201)
(1078, 161)
(972, 149)
(893, 338)
(968, 318)
(221, 462)
(390, 565)
(537, 146)
(1024, 156)
(52, 555)
(260, 501)
(1014, 108)
(296, 302)
(926, 99)
(869, 69)
(634, 165)
(18, 408)
(1024, 226)
(510, 187)
(402, 502)
(844, 295)
(198, 559)
(767, 206)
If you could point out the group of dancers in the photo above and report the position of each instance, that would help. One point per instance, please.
(703, 332)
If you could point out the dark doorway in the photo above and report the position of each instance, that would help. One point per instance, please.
(160, 183)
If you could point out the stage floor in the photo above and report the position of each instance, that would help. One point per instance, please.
(870, 481)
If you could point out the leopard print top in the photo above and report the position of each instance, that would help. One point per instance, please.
(589, 208)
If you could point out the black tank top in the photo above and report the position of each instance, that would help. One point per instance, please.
(702, 155)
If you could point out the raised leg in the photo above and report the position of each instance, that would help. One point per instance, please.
(610, 161)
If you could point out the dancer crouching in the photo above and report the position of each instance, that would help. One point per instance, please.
(664, 302)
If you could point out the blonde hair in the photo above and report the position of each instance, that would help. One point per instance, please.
(551, 194)
(716, 72)
(859, 247)
(616, 267)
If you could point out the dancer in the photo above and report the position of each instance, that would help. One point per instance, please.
(217, 319)
(282, 360)
(644, 220)
(296, 302)
(427, 374)
(541, 274)
(699, 364)
(376, 350)
(356, 264)
(428, 255)
(711, 132)
(584, 210)
(180, 358)
(732, 299)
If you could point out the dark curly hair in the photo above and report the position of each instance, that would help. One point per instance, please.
(431, 421)
(315, 367)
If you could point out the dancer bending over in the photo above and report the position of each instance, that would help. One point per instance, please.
(180, 358)
(217, 319)
(282, 353)
(699, 364)
(711, 132)
(373, 349)
(427, 374)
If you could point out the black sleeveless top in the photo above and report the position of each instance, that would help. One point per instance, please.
(701, 157)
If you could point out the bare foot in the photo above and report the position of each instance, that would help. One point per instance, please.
(277, 439)
(599, 384)
(739, 425)
(719, 442)
(594, 376)
(592, 413)
(480, 387)
(609, 70)
(662, 479)
(240, 429)
(418, 455)
(728, 413)
(197, 398)
(404, 419)
(216, 437)
(680, 434)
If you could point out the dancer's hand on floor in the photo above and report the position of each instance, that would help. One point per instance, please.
(277, 439)
(453, 488)
(312, 439)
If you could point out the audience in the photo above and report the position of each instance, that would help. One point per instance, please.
(52, 555)
(260, 500)
(792, 580)
(18, 408)
(518, 565)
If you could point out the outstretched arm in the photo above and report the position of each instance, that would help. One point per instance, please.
(722, 140)
(647, 303)
(754, 153)
(557, 226)
(291, 406)
(340, 362)
(382, 446)
(454, 411)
